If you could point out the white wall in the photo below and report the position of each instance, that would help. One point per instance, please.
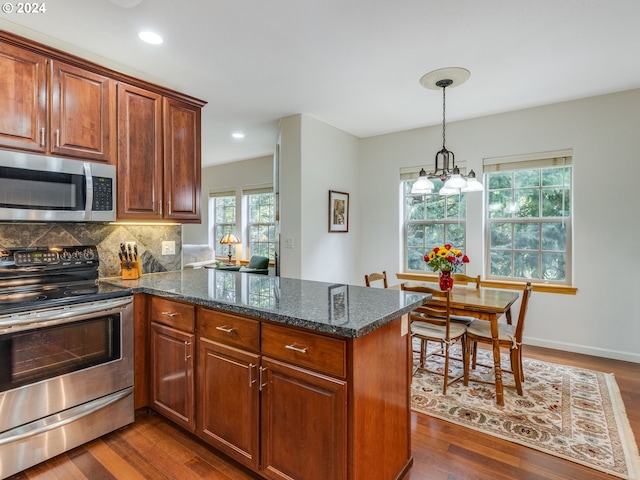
(315, 158)
(603, 318)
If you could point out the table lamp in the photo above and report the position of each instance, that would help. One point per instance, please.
(229, 239)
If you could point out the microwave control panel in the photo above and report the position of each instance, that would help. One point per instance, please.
(102, 194)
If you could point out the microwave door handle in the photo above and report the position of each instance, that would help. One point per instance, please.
(89, 188)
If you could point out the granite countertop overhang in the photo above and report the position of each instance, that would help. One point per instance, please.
(345, 310)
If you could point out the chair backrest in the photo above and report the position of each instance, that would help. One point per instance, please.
(258, 262)
(429, 313)
(524, 305)
(462, 279)
(374, 277)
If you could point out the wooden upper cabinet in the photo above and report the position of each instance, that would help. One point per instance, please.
(140, 160)
(182, 160)
(23, 99)
(83, 112)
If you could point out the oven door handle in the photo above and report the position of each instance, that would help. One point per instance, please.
(59, 315)
(64, 418)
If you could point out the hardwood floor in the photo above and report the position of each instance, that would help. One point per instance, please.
(153, 448)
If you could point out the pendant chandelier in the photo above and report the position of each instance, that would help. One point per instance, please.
(445, 163)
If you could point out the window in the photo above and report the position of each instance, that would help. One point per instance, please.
(261, 222)
(431, 220)
(528, 218)
(224, 219)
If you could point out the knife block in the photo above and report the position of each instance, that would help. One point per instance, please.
(131, 270)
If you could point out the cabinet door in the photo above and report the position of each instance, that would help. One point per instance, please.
(82, 113)
(228, 400)
(304, 423)
(139, 153)
(172, 374)
(182, 166)
(23, 99)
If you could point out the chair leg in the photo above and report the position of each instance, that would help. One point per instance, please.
(446, 369)
(423, 351)
(514, 355)
(474, 352)
(521, 367)
(466, 352)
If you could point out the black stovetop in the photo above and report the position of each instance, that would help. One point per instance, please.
(36, 277)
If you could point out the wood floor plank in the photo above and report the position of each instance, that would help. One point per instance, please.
(155, 449)
(116, 461)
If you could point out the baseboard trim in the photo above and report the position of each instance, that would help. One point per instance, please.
(575, 348)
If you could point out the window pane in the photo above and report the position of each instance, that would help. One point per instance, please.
(501, 235)
(527, 178)
(526, 236)
(555, 202)
(501, 264)
(554, 266)
(528, 203)
(554, 237)
(525, 264)
(501, 204)
(500, 180)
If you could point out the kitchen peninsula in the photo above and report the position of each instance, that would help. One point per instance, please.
(292, 378)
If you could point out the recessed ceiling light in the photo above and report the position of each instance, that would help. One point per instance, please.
(150, 37)
(237, 135)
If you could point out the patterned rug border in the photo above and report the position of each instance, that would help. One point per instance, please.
(629, 447)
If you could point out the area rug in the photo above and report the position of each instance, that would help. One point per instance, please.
(568, 412)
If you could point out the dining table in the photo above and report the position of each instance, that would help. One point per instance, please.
(485, 304)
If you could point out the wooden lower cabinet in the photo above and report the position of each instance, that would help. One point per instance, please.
(304, 423)
(228, 401)
(172, 374)
(288, 403)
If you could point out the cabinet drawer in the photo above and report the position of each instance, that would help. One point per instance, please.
(173, 314)
(229, 329)
(320, 353)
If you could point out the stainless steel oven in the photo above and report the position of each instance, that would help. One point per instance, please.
(66, 365)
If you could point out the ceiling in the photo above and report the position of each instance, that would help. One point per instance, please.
(353, 64)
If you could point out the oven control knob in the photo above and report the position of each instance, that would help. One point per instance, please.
(88, 254)
(66, 256)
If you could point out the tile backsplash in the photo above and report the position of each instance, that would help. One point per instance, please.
(107, 237)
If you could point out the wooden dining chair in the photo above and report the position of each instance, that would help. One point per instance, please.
(510, 336)
(462, 279)
(432, 324)
(376, 277)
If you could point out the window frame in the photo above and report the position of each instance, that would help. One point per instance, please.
(222, 251)
(522, 163)
(406, 184)
(270, 225)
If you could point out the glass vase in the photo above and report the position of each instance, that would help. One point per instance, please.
(446, 280)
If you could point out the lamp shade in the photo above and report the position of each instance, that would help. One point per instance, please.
(229, 239)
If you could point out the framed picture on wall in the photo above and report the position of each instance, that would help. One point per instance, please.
(338, 211)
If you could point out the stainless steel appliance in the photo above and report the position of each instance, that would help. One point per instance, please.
(51, 189)
(66, 354)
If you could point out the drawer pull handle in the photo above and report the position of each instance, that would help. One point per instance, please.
(42, 137)
(57, 138)
(170, 314)
(296, 349)
(225, 329)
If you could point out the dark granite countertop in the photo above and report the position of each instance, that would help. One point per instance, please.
(346, 310)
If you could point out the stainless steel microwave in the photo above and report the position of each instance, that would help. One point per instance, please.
(35, 188)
